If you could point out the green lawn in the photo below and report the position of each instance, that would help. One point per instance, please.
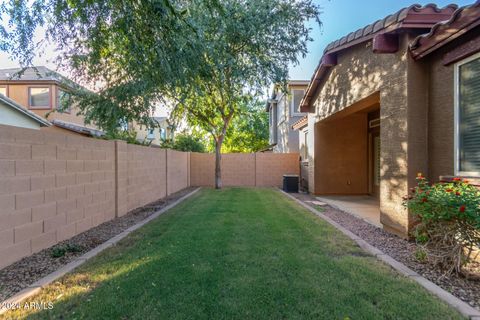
(242, 254)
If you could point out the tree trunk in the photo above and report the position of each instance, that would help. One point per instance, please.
(218, 151)
(218, 162)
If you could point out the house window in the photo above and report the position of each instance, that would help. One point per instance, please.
(39, 98)
(163, 134)
(64, 101)
(467, 116)
(297, 96)
(3, 90)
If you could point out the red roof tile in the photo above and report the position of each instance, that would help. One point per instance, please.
(412, 17)
(462, 20)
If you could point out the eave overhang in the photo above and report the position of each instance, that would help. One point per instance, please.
(384, 34)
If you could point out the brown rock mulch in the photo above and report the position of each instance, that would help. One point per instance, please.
(22, 273)
(403, 251)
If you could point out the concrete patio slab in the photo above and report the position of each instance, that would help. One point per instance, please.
(366, 208)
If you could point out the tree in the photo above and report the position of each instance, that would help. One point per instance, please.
(209, 57)
(246, 45)
(185, 142)
(248, 131)
(129, 52)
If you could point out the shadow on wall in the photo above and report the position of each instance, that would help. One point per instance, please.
(359, 74)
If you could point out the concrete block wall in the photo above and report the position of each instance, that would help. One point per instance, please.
(178, 171)
(254, 170)
(54, 186)
(146, 175)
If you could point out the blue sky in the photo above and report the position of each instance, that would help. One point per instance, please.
(341, 17)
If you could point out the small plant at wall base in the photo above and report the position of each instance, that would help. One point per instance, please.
(448, 222)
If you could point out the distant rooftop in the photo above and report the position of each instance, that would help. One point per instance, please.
(78, 128)
(37, 73)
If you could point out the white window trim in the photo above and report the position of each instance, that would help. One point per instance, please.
(294, 112)
(456, 143)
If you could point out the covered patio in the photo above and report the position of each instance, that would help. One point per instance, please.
(364, 207)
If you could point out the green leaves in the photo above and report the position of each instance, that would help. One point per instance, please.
(448, 221)
(249, 130)
(208, 58)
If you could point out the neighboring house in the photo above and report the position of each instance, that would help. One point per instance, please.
(45, 93)
(395, 98)
(13, 114)
(161, 132)
(283, 109)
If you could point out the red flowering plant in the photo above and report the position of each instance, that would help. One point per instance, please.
(447, 219)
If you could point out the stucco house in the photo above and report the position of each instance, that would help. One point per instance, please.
(397, 97)
(45, 93)
(162, 131)
(13, 114)
(283, 109)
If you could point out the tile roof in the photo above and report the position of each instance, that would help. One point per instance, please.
(412, 17)
(301, 123)
(78, 128)
(37, 73)
(463, 19)
(12, 104)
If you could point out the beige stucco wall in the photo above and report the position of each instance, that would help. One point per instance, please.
(287, 138)
(142, 132)
(19, 93)
(12, 117)
(359, 74)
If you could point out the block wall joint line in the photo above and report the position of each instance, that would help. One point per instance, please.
(116, 178)
(166, 172)
(255, 169)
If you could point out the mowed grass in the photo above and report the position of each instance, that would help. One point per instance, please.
(237, 253)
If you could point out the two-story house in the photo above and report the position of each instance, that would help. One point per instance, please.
(161, 132)
(45, 93)
(283, 109)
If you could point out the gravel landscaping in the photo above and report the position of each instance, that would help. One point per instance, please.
(21, 274)
(402, 250)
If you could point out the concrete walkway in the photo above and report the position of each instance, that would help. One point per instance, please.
(364, 207)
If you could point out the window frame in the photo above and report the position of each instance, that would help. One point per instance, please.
(294, 112)
(456, 143)
(49, 107)
(6, 89)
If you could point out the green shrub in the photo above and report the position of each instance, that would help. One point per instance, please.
(447, 217)
(184, 142)
(60, 251)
